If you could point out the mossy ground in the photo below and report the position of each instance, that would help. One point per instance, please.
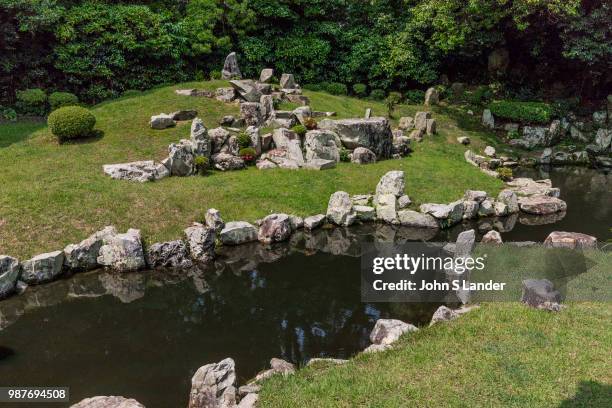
(52, 194)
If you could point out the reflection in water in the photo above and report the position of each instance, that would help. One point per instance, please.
(143, 335)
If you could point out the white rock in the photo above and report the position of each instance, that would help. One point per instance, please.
(340, 209)
(388, 331)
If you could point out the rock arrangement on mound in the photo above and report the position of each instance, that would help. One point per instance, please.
(490, 162)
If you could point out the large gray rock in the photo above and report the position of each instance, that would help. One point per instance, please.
(214, 386)
(541, 205)
(201, 242)
(226, 95)
(314, 221)
(251, 113)
(171, 254)
(492, 237)
(231, 69)
(219, 138)
(266, 75)
(287, 81)
(447, 214)
(247, 89)
(238, 232)
(322, 144)
(537, 292)
(161, 121)
(274, 228)
(43, 267)
(140, 171)
(187, 114)
(391, 182)
(443, 314)
(524, 187)
(603, 139)
(374, 134)
(386, 208)
(432, 96)
(420, 120)
(365, 212)
(107, 402)
(465, 243)
(283, 137)
(267, 106)
(409, 218)
(363, 155)
(303, 113)
(573, 240)
(200, 140)
(214, 220)
(406, 123)
(509, 198)
(180, 158)
(9, 274)
(340, 209)
(123, 252)
(84, 255)
(388, 331)
(226, 161)
(488, 120)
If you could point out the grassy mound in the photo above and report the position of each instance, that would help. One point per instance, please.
(52, 194)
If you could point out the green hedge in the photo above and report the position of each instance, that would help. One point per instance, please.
(524, 112)
(60, 99)
(71, 122)
(32, 102)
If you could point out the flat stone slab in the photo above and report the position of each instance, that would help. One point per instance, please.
(573, 240)
(141, 171)
(541, 205)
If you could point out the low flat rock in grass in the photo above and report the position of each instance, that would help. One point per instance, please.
(373, 133)
(573, 240)
(162, 121)
(141, 171)
(409, 218)
(541, 204)
(388, 331)
(524, 186)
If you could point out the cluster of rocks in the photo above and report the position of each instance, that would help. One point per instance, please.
(593, 133)
(490, 162)
(164, 120)
(418, 126)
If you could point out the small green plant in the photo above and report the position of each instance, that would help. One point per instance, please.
(32, 102)
(313, 87)
(310, 123)
(480, 95)
(377, 94)
(201, 164)
(344, 155)
(131, 93)
(360, 90)
(524, 112)
(513, 134)
(300, 130)
(415, 96)
(393, 99)
(8, 114)
(336, 88)
(248, 154)
(71, 122)
(214, 75)
(244, 140)
(60, 99)
(504, 173)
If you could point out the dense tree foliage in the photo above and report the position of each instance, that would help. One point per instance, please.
(101, 48)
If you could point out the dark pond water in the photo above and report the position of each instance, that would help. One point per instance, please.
(143, 335)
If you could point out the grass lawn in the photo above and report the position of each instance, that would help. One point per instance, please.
(52, 195)
(500, 355)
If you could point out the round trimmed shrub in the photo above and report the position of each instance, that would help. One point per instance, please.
(32, 101)
(336, 88)
(377, 94)
(360, 89)
(60, 99)
(71, 122)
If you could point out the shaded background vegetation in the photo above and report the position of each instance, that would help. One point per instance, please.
(101, 48)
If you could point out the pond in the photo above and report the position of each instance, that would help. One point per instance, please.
(143, 335)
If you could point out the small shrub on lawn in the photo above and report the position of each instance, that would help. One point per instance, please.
(131, 93)
(214, 75)
(504, 173)
(244, 140)
(513, 134)
(392, 100)
(310, 123)
(377, 94)
(360, 90)
(248, 155)
(300, 130)
(201, 164)
(8, 114)
(336, 88)
(71, 122)
(60, 99)
(523, 112)
(480, 95)
(344, 155)
(32, 102)
(415, 96)
(313, 87)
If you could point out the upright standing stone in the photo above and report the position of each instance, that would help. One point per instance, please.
(199, 138)
(180, 158)
(340, 209)
(432, 97)
(214, 386)
(287, 81)
(201, 242)
(420, 120)
(123, 252)
(266, 75)
(487, 119)
(230, 68)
